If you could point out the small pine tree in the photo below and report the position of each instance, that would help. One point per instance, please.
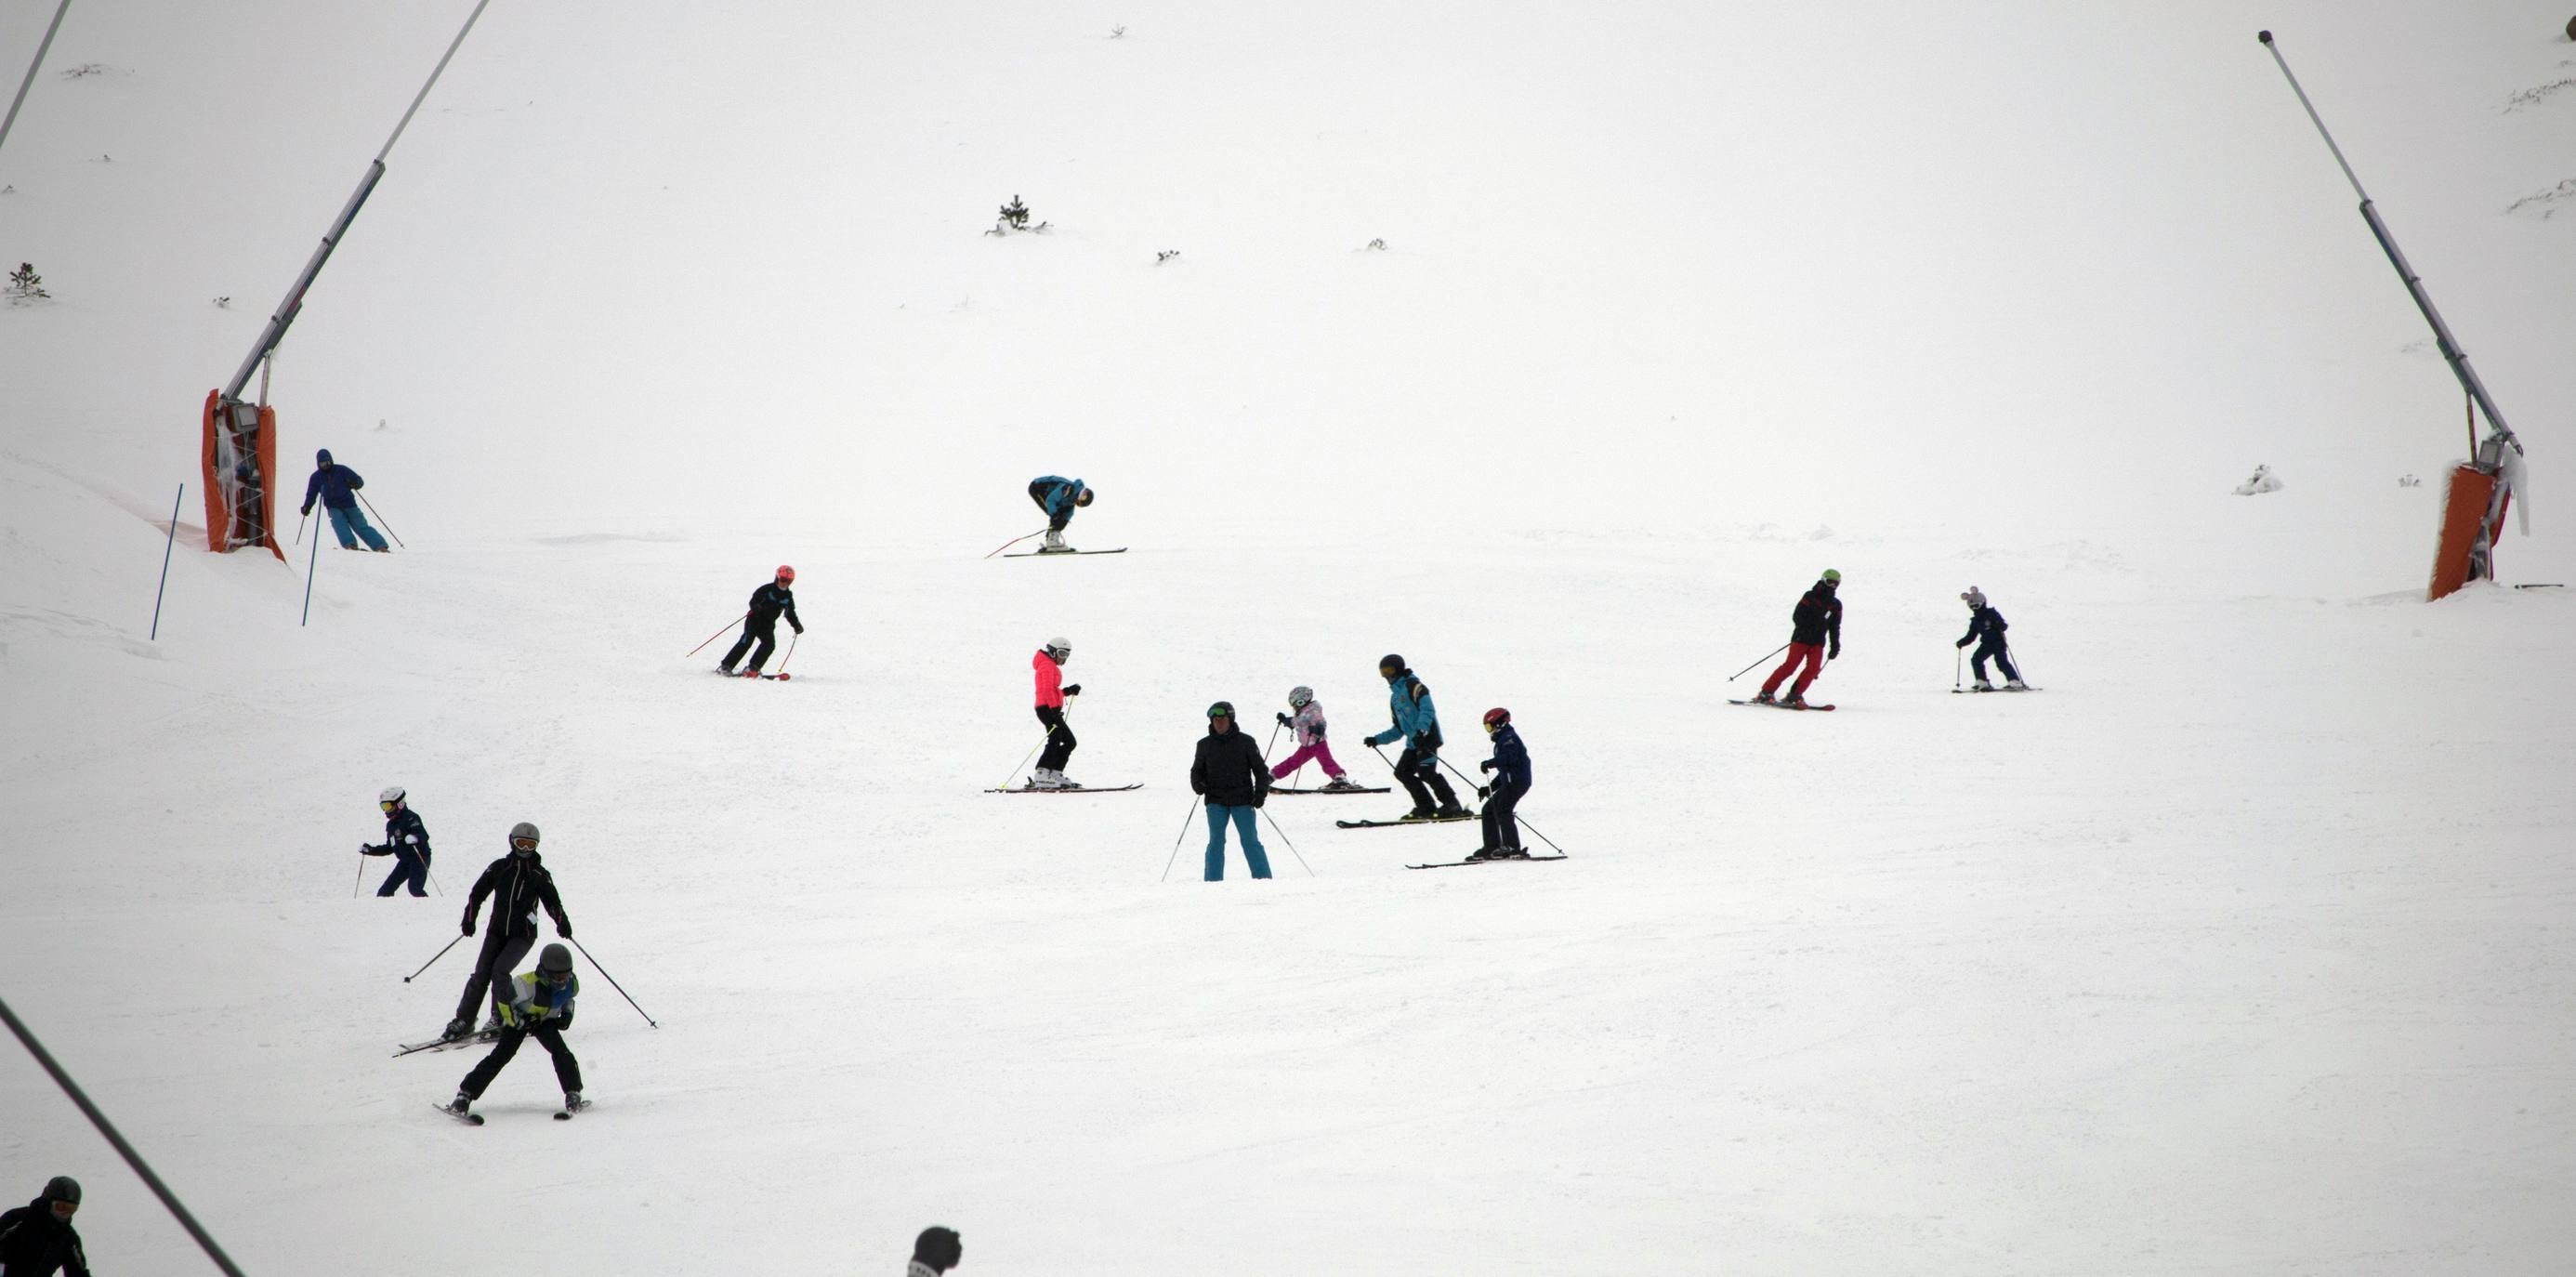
(25, 285)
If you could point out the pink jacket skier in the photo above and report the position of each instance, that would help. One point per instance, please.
(1309, 726)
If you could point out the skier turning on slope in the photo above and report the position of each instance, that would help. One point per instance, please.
(1227, 770)
(1511, 767)
(337, 487)
(760, 624)
(1417, 724)
(1059, 497)
(1048, 665)
(1816, 636)
(1986, 629)
(518, 885)
(539, 1006)
(1309, 726)
(406, 840)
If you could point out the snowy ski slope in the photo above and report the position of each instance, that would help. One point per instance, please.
(2241, 949)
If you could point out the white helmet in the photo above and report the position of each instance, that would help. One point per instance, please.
(1299, 696)
(1060, 646)
(392, 794)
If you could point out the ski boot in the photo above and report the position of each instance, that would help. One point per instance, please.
(2016, 685)
(573, 1103)
(1793, 701)
(1048, 778)
(1764, 698)
(461, 1105)
(1483, 853)
(1063, 781)
(458, 1029)
(1452, 811)
(1340, 784)
(1981, 685)
(1054, 544)
(1418, 813)
(1509, 853)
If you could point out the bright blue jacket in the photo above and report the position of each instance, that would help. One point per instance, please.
(1059, 498)
(1415, 717)
(336, 485)
(1510, 763)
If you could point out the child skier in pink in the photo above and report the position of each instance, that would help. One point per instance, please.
(1309, 723)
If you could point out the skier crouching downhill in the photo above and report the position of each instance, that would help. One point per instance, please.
(539, 1005)
(1986, 629)
(1059, 497)
(760, 623)
(1309, 728)
(1417, 724)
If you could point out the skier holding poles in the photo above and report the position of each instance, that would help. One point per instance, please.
(1048, 667)
(518, 884)
(1511, 767)
(760, 624)
(406, 840)
(1986, 628)
(1417, 724)
(1816, 636)
(1227, 770)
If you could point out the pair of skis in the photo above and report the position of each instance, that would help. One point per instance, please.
(1060, 554)
(476, 1119)
(1066, 789)
(1783, 705)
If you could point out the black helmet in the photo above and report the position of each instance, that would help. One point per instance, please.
(938, 1247)
(63, 1188)
(1222, 709)
(554, 959)
(1390, 665)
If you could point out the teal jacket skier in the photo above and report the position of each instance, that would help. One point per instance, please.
(1417, 724)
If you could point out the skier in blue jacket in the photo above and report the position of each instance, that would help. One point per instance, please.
(337, 487)
(1417, 724)
(1059, 497)
(406, 840)
(1511, 767)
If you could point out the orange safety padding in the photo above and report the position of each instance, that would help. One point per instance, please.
(2464, 511)
(218, 517)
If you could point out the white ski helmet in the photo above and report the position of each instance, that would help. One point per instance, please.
(392, 794)
(1299, 696)
(1059, 647)
(523, 832)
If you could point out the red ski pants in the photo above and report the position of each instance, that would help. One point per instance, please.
(1811, 653)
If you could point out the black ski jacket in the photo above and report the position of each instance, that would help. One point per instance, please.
(518, 885)
(1229, 770)
(766, 603)
(1818, 616)
(1986, 623)
(35, 1244)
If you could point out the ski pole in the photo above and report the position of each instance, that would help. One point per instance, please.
(1033, 749)
(728, 626)
(1750, 668)
(167, 543)
(1957, 654)
(1283, 840)
(299, 526)
(1516, 816)
(1014, 541)
(452, 943)
(362, 878)
(311, 560)
(621, 989)
(791, 652)
(1176, 842)
(1274, 739)
(389, 528)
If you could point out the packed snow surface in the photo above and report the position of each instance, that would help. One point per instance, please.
(2243, 947)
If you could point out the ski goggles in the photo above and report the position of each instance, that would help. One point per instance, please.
(523, 844)
(389, 804)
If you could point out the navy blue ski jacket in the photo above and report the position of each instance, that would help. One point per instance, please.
(403, 829)
(336, 485)
(1510, 763)
(1987, 624)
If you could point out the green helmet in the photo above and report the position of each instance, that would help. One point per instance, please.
(1833, 576)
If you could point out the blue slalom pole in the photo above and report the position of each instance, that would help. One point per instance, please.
(308, 579)
(166, 546)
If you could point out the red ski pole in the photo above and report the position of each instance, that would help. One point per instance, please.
(719, 634)
(791, 653)
(1013, 541)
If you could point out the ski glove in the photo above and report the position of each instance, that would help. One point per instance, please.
(1073, 689)
(371, 849)
(563, 929)
(469, 924)
(1484, 792)
(1283, 719)
(1485, 766)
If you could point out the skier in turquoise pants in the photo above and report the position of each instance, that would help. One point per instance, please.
(1229, 772)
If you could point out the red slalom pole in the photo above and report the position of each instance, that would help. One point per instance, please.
(719, 634)
(1012, 542)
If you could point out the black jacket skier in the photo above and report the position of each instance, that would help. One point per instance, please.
(760, 623)
(519, 885)
(38, 1240)
(1986, 628)
(1228, 768)
(1511, 767)
(1818, 618)
(406, 840)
